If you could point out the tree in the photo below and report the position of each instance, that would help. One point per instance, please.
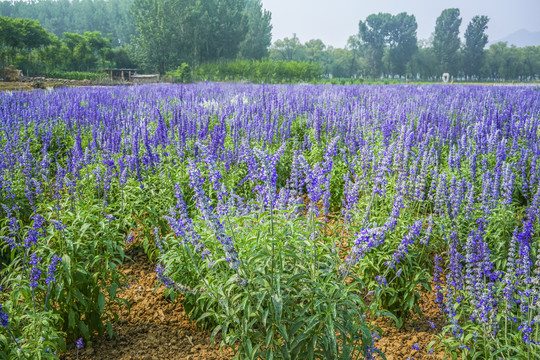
(259, 34)
(287, 49)
(20, 36)
(315, 51)
(424, 64)
(171, 32)
(446, 41)
(355, 46)
(403, 42)
(159, 25)
(374, 32)
(60, 16)
(475, 41)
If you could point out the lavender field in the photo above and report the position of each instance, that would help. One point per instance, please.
(286, 218)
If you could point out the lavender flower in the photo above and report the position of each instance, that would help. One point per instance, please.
(169, 283)
(35, 273)
(407, 240)
(52, 269)
(4, 318)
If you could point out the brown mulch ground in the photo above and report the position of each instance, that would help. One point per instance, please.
(156, 328)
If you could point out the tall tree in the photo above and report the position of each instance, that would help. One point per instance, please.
(315, 50)
(159, 45)
(20, 36)
(374, 32)
(77, 16)
(403, 41)
(259, 34)
(355, 46)
(174, 31)
(288, 49)
(446, 41)
(475, 41)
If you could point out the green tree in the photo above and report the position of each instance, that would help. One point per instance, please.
(374, 32)
(402, 40)
(159, 45)
(60, 16)
(288, 49)
(86, 52)
(315, 51)
(475, 41)
(259, 34)
(356, 48)
(171, 32)
(20, 36)
(446, 41)
(424, 64)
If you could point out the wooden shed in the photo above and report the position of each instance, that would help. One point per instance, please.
(121, 74)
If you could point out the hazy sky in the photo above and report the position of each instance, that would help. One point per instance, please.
(333, 21)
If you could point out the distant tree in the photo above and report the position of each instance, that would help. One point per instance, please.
(339, 64)
(315, 51)
(424, 64)
(159, 45)
(288, 49)
(228, 29)
(78, 16)
(19, 36)
(446, 41)
(374, 32)
(402, 41)
(505, 63)
(355, 46)
(171, 32)
(475, 41)
(259, 34)
(86, 52)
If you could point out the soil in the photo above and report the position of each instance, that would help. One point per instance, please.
(156, 328)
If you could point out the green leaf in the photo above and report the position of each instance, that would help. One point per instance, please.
(110, 329)
(71, 319)
(101, 302)
(112, 290)
(66, 262)
(84, 329)
(278, 307)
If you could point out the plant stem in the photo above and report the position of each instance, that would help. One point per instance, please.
(16, 342)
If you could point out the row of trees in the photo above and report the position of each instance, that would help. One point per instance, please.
(171, 32)
(27, 44)
(159, 35)
(387, 46)
(77, 16)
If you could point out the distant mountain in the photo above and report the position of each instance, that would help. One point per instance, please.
(521, 38)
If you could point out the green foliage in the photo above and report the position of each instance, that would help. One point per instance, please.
(106, 16)
(182, 74)
(295, 304)
(175, 31)
(446, 41)
(475, 41)
(256, 71)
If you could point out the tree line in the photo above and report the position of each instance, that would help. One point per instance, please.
(160, 35)
(386, 46)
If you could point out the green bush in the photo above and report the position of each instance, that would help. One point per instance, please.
(182, 74)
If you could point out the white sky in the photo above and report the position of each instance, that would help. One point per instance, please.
(333, 21)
